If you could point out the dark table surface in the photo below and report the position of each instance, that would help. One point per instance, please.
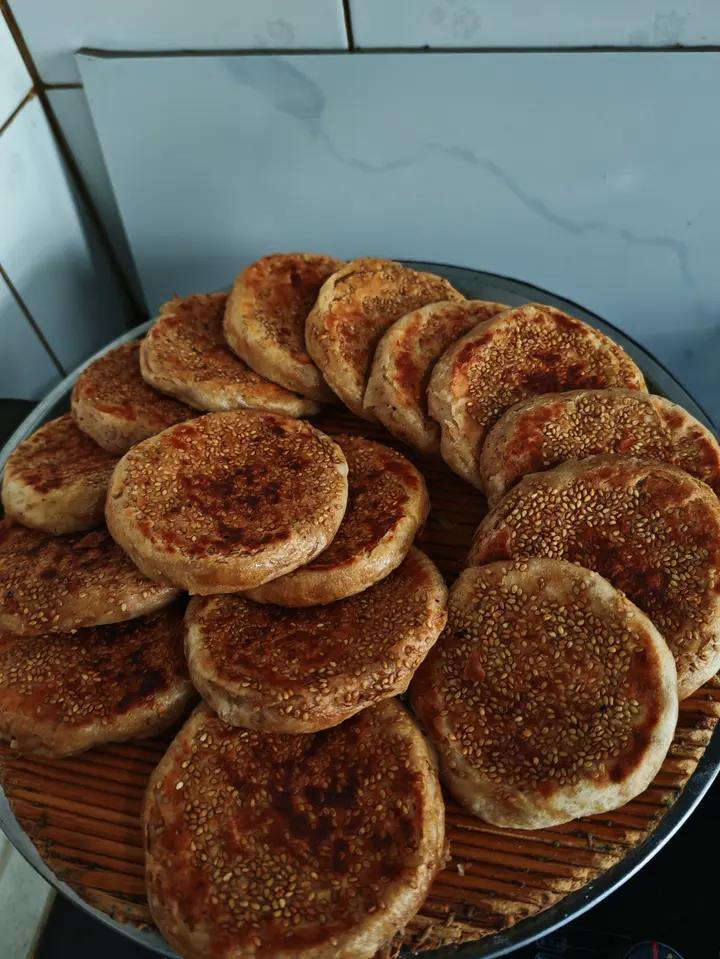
(672, 900)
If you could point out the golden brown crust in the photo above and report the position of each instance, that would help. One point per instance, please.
(354, 308)
(387, 507)
(404, 359)
(185, 355)
(265, 318)
(56, 480)
(62, 694)
(547, 430)
(297, 671)
(54, 584)
(521, 353)
(549, 696)
(228, 501)
(262, 846)
(113, 404)
(652, 530)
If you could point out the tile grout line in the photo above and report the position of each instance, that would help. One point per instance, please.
(31, 320)
(104, 54)
(66, 153)
(348, 25)
(25, 100)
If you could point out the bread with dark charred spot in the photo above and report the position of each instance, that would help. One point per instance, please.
(64, 693)
(292, 847)
(301, 670)
(228, 501)
(56, 480)
(387, 506)
(54, 584)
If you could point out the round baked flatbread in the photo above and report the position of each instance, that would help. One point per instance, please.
(652, 530)
(547, 430)
(550, 696)
(521, 353)
(228, 501)
(54, 584)
(387, 507)
(63, 693)
(354, 308)
(301, 670)
(56, 480)
(312, 847)
(185, 355)
(404, 359)
(113, 404)
(265, 318)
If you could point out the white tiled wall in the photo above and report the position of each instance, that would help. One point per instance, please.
(54, 31)
(71, 110)
(65, 298)
(51, 253)
(534, 23)
(15, 81)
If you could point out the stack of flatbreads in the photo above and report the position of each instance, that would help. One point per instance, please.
(298, 811)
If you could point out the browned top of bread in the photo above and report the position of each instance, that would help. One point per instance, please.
(381, 483)
(295, 669)
(58, 583)
(353, 310)
(247, 487)
(268, 845)
(56, 480)
(185, 354)
(404, 360)
(521, 353)
(58, 454)
(111, 394)
(649, 528)
(539, 433)
(387, 506)
(266, 316)
(550, 695)
(63, 693)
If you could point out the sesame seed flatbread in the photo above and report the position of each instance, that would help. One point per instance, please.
(354, 308)
(547, 430)
(521, 353)
(300, 670)
(265, 319)
(185, 355)
(549, 696)
(387, 506)
(63, 693)
(651, 529)
(292, 847)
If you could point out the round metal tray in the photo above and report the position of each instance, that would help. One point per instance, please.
(476, 285)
